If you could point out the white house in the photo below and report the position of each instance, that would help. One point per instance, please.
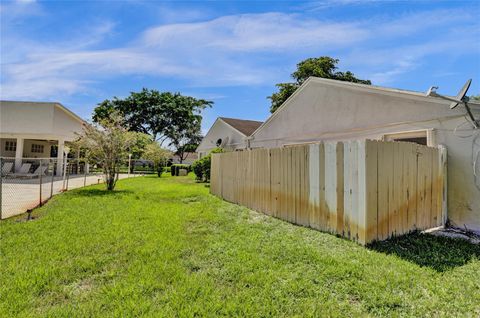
(228, 133)
(36, 130)
(323, 109)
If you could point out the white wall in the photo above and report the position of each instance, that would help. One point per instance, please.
(22, 117)
(221, 130)
(65, 125)
(326, 112)
(42, 120)
(27, 148)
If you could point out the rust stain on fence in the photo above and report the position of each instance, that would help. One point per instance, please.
(364, 191)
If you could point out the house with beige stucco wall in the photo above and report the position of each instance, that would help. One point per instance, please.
(329, 110)
(36, 130)
(228, 133)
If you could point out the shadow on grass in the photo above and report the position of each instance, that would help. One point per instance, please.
(438, 253)
(100, 192)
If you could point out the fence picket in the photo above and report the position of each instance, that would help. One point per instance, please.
(365, 191)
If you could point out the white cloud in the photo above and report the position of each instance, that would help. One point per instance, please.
(256, 32)
(225, 51)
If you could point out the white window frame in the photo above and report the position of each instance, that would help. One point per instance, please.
(10, 145)
(421, 133)
(37, 148)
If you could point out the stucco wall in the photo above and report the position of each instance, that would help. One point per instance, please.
(20, 118)
(65, 125)
(323, 112)
(221, 130)
(45, 120)
(27, 148)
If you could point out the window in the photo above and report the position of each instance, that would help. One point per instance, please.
(422, 137)
(37, 148)
(10, 146)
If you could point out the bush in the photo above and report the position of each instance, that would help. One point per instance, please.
(201, 167)
(159, 170)
(198, 170)
(175, 169)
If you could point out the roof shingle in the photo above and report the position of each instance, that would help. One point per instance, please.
(246, 127)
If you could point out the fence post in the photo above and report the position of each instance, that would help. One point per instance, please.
(68, 177)
(443, 170)
(40, 182)
(85, 173)
(129, 163)
(1, 187)
(53, 177)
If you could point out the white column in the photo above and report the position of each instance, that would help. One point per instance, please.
(61, 145)
(19, 154)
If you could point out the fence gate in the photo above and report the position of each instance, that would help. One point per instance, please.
(362, 190)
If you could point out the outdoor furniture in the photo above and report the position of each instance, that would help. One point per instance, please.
(7, 168)
(39, 171)
(24, 169)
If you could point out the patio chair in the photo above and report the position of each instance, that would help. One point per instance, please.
(7, 168)
(23, 170)
(39, 171)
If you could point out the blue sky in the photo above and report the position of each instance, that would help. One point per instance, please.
(82, 52)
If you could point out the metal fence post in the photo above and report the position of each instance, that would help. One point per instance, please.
(40, 182)
(1, 186)
(53, 178)
(129, 164)
(85, 173)
(68, 177)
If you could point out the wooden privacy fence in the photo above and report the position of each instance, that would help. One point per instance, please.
(361, 190)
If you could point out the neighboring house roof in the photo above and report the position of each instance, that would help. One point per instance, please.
(394, 92)
(187, 156)
(246, 127)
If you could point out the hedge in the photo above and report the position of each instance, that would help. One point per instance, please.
(201, 167)
(175, 169)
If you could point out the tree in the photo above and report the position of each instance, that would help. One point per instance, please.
(324, 66)
(158, 155)
(108, 144)
(475, 98)
(202, 167)
(154, 113)
(185, 135)
(140, 143)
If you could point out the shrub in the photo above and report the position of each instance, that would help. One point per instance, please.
(159, 170)
(198, 170)
(202, 166)
(175, 169)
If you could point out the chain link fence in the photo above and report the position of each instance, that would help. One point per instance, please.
(27, 183)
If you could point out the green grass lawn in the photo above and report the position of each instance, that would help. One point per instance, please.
(165, 247)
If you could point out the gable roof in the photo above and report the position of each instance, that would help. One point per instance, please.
(246, 127)
(373, 89)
